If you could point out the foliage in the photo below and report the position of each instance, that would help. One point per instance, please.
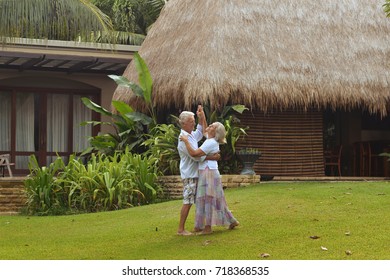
(102, 21)
(229, 163)
(100, 185)
(70, 20)
(145, 174)
(105, 6)
(145, 87)
(131, 126)
(129, 16)
(162, 145)
(128, 125)
(131, 19)
(43, 194)
(104, 183)
(386, 8)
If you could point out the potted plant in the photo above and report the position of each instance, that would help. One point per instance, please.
(248, 157)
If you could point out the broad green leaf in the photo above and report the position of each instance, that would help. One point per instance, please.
(122, 107)
(213, 117)
(124, 82)
(139, 117)
(120, 80)
(87, 151)
(239, 108)
(95, 107)
(137, 90)
(145, 79)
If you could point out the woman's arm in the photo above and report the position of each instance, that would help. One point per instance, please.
(194, 153)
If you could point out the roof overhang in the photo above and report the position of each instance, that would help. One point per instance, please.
(65, 56)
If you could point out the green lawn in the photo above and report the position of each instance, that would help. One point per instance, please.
(277, 218)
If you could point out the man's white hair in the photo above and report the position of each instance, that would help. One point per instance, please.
(184, 116)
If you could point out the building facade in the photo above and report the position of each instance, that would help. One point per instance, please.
(41, 86)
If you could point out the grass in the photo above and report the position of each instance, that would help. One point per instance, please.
(277, 218)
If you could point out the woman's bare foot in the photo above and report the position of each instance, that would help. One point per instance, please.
(207, 230)
(233, 225)
(196, 230)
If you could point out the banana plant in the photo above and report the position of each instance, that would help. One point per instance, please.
(143, 89)
(128, 124)
(131, 127)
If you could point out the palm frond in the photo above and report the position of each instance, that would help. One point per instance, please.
(52, 19)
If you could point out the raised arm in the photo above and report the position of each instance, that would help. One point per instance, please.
(201, 118)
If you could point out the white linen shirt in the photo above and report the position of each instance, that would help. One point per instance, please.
(189, 165)
(210, 146)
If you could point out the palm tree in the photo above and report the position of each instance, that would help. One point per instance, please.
(131, 15)
(157, 6)
(131, 19)
(52, 19)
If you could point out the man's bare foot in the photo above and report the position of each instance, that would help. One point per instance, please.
(233, 225)
(196, 230)
(184, 233)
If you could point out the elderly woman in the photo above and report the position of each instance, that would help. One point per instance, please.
(211, 207)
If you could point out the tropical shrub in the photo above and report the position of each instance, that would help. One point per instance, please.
(44, 196)
(145, 174)
(101, 184)
(129, 127)
(162, 145)
(104, 183)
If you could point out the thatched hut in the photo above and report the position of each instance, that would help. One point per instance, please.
(290, 62)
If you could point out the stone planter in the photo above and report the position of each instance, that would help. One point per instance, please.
(248, 159)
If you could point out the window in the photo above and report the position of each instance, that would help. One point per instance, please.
(44, 122)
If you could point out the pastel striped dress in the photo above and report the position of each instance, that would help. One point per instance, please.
(211, 206)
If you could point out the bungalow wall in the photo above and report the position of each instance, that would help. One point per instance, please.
(291, 142)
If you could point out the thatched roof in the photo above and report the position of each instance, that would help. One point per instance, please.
(269, 54)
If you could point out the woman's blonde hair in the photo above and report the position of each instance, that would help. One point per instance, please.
(220, 133)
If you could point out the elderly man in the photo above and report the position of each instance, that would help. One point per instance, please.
(188, 164)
